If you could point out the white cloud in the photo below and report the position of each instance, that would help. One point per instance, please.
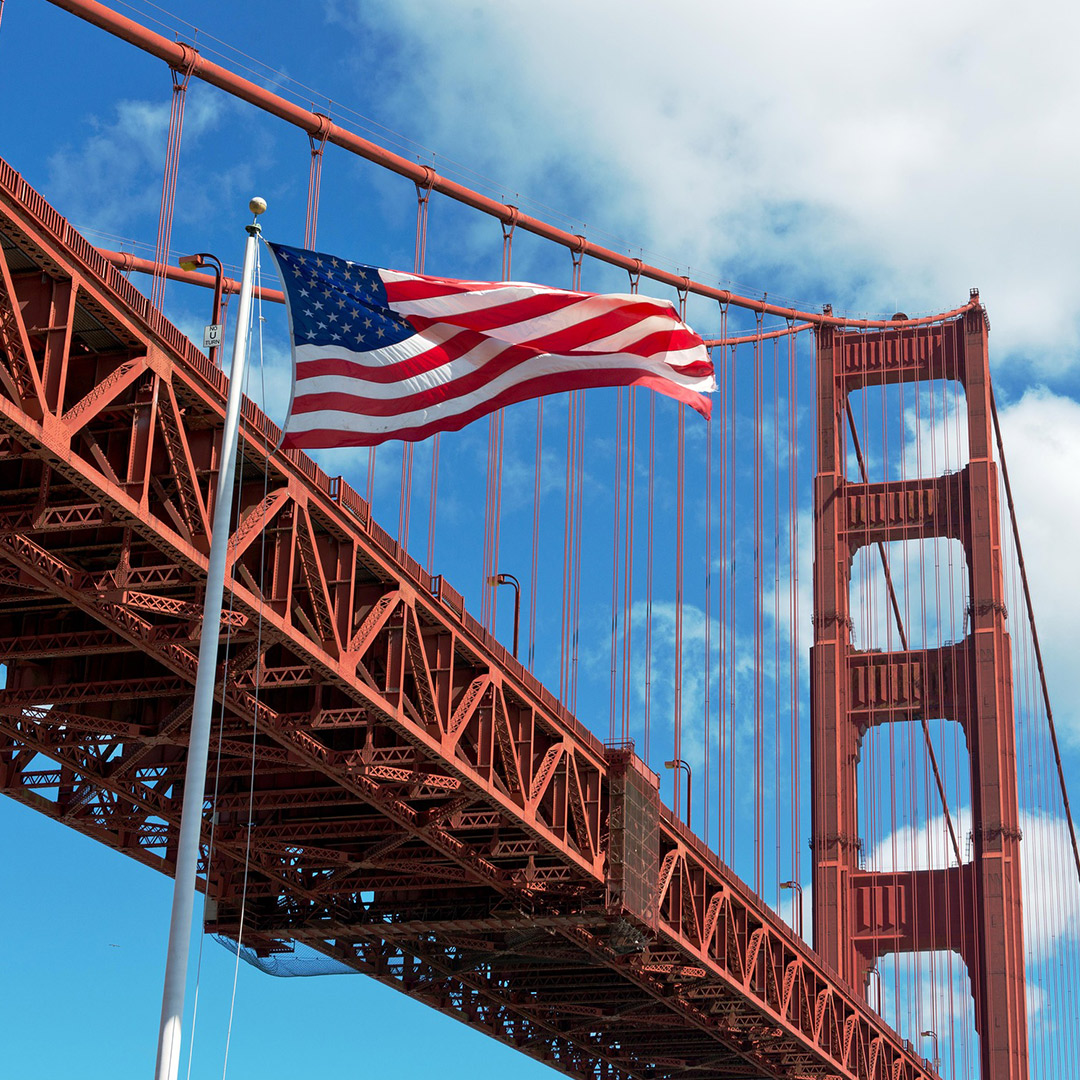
(1045, 854)
(832, 147)
(1041, 433)
(114, 173)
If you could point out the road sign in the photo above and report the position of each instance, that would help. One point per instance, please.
(211, 336)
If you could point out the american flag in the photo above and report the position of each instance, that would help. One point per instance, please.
(379, 354)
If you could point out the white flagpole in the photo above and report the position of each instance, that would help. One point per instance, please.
(187, 855)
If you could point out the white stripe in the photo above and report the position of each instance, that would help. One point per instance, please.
(394, 353)
(630, 335)
(486, 297)
(539, 367)
(488, 350)
(483, 353)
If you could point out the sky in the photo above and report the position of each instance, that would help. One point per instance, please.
(836, 153)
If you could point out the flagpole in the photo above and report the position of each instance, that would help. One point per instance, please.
(187, 855)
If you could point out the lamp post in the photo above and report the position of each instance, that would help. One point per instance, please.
(199, 261)
(796, 888)
(678, 763)
(509, 579)
(936, 1060)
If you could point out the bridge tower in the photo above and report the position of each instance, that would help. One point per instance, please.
(973, 909)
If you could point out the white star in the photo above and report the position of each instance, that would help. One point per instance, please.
(335, 337)
(318, 305)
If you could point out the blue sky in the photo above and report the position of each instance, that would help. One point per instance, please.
(730, 146)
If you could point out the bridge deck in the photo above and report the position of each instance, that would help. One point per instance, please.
(423, 811)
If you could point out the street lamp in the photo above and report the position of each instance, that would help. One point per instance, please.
(933, 1035)
(678, 763)
(199, 261)
(796, 888)
(509, 579)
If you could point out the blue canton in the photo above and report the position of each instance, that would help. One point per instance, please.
(337, 302)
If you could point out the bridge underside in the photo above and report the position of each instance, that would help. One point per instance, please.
(418, 807)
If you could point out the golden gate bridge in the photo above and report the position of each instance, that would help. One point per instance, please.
(399, 792)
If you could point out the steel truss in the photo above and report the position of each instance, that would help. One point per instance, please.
(423, 810)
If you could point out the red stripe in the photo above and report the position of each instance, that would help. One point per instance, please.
(611, 319)
(472, 381)
(462, 342)
(583, 336)
(533, 388)
(428, 288)
(420, 364)
(502, 313)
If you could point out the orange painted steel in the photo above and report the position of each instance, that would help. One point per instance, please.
(974, 909)
(424, 810)
(127, 262)
(182, 57)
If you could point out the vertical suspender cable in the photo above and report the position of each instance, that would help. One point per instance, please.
(733, 410)
(180, 80)
(628, 549)
(680, 510)
(493, 502)
(721, 682)
(568, 519)
(759, 644)
(423, 200)
(1034, 633)
(579, 493)
(708, 626)
(793, 598)
(680, 533)
(776, 607)
(650, 517)
(535, 565)
(614, 710)
(628, 561)
(317, 142)
(577, 255)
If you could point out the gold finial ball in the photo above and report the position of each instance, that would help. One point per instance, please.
(257, 206)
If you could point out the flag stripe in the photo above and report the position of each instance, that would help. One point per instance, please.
(351, 429)
(413, 364)
(338, 395)
(382, 354)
